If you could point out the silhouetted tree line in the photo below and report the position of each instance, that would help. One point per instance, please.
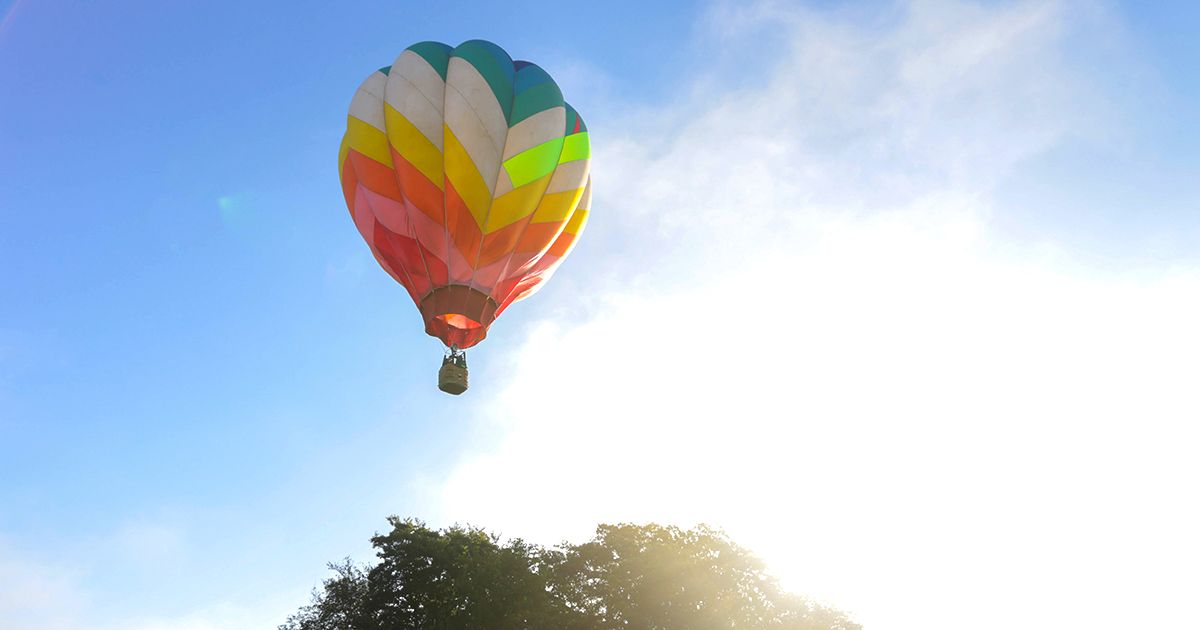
(647, 577)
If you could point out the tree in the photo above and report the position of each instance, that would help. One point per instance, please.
(633, 577)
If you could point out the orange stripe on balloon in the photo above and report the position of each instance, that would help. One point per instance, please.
(349, 184)
(500, 243)
(421, 192)
(539, 236)
(378, 177)
(464, 234)
(562, 245)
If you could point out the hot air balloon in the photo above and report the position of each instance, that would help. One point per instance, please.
(467, 174)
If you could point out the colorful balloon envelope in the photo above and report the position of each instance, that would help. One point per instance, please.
(467, 174)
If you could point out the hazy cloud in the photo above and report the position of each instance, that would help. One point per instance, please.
(36, 595)
(827, 348)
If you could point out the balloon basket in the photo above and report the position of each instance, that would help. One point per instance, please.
(452, 378)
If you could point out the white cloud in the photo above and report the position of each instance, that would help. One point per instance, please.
(38, 594)
(838, 358)
(150, 543)
(34, 595)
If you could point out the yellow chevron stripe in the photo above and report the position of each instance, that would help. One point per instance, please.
(461, 172)
(413, 146)
(516, 204)
(367, 140)
(578, 220)
(343, 151)
(557, 206)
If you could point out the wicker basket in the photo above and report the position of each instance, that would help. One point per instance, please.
(452, 379)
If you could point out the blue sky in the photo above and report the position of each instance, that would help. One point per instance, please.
(196, 337)
(208, 389)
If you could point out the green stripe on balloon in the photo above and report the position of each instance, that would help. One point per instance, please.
(571, 116)
(436, 54)
(576, 147)
(495, 66)
(538, 98)
(574, 121)
(534, 162)
(529, 75)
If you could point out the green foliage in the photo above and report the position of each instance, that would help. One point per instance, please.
(645, 577)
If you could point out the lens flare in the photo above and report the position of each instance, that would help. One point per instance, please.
(7, 11)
